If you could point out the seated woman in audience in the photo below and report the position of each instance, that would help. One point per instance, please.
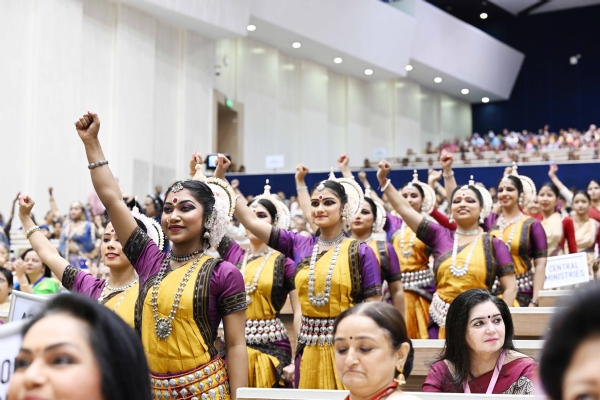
(570, 358)
(333, 272)
(593, 190)
(479, 355)
(467, 258)
(78, 237)
(120, 291)
(587, 232)
(373, 354)
(560, 232)
(77, 349)
(33, 276)
(6, 287)
(269, 279)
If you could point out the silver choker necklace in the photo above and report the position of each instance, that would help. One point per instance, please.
(184, 258)
(332, 242)
(322, 298)
(467, 233)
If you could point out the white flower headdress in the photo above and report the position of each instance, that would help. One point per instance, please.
(429, 198)
(379, 222)
(283, 220)
(529, 189)
(153, 228)
(485, 195)
(355, 197)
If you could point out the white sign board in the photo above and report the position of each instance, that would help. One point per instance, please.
(275, 161)
(10, 343)
(25, 305)
(379, 153)
(566, 270)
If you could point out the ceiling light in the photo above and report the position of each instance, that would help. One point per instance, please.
(465, 91)
(368, 71)
(409, 67)
(485, 100)
(483, 15)
(296, 45)
(437, 80)
(251, 28)
(337, 60)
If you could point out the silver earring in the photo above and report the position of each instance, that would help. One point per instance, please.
(450, 220)
(206, 235)
(481, 219)
(521, 200)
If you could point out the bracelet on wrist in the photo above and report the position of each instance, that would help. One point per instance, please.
(97, 164)
(31, 230)
(534, 302)
(385, 186)
(302, 189)
(448, 175)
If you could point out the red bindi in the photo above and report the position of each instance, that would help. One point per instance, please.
(321, 197)
(112, 230)
(175, 200)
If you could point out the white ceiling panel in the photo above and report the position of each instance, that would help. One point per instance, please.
(515, 6)
(557, 5)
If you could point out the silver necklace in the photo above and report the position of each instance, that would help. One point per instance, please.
(107, 287)
(121, 298)
(503, 224)
(406, 253)
(467, 233)
(322, 298)
(334, 241)
(184, 258)
(164, 326)
(251, 288)
(461, 271)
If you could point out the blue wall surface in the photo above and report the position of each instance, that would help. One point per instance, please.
(573, 174)
(549, 90)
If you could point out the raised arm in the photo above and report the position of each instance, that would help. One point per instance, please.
(104, 182)
(446, 161)
(564, 191)
(42, 246)
(343, 162)
(53, 207)
(304, 195)
(410, 217)
(362, 177)
(243, 213)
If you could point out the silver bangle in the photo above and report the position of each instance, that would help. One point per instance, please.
(386, 185)
(302, 189)
(447, 176)
(97, 164)
(31, 230)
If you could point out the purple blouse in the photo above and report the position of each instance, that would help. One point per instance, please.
(298, 248)
(538, 245)
(75, 280)
(390, 272)
(227, 293)
(392, 224)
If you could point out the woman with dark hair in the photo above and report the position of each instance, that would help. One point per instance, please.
(587, 232)
(153, 207)
(560, 232)
(333, 272)
(269, 279)
(6, 287)
(524, 236)
(373, 353)
(479, 355)
(183, 295)
(467, 258)
(569, 362)
(77, 349)
(78, 237)
(33, 276)
(120, 291)
(593, 191)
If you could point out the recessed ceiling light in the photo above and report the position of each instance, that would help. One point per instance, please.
(483, 15)
(337, 60)
(409, 67)
(465, 91)
(296, 45)
(485, 100)
(368, 71)
(251, 28)
(437, 80)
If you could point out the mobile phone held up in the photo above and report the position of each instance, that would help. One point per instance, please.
(211, 161)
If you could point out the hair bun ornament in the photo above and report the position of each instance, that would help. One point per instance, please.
(381, 219)
(153, 228)
(283, 217)
(224, 207)
(488, 202)
(529, 189)
(429, 200)
(353, 191)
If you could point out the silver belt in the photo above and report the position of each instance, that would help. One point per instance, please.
(524, 282)
(418, 279)
(265, 330)
(316, 330)
(438, 310)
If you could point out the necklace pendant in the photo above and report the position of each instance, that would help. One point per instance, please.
(248, 299)
(163, 328)
(407, 253)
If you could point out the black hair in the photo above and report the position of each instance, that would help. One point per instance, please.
(578, 319)
(8, 275)
(158, 203)
(416, 186)
(373, 208)
(471, 187)
(337, 189)
(268, 204)
(552, 187)
(116, 347)
(592, 181)
(515, 181)
(47, 273)
(390, 320)
(583, 193)
(456, 349)
(201, 192)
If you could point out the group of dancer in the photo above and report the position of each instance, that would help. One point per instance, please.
(177, 300)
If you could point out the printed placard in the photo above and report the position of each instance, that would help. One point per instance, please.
(566, 270)
(10, 342)
(25, 305)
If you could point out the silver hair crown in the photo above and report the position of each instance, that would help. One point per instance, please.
(321, 186)
(177, 187)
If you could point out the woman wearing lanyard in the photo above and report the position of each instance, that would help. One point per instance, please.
(479, 355)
